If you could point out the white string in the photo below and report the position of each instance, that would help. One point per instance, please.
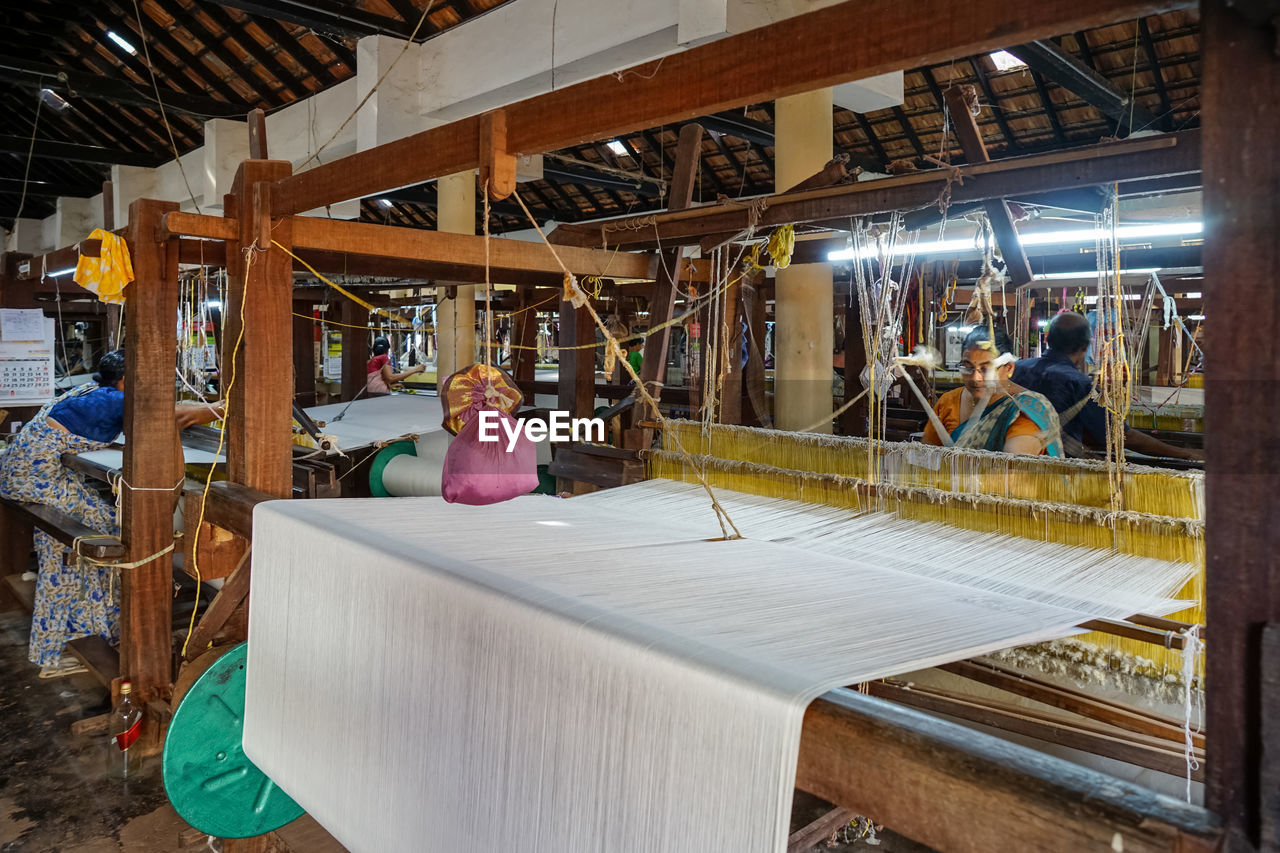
(1191, 652)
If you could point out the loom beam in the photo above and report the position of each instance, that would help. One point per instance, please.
(954, 789)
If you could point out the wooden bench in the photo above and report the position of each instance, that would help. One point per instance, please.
(18, 520)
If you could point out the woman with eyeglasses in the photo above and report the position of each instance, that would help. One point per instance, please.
(989, 412)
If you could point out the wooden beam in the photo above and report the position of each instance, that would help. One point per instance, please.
(506, 257)
(233, 592)
(838, 47)
(259, 290)
(151, 462)
(1172, 154)
(1241, 93)
(966, 127)
(204, 226)
(952, 788)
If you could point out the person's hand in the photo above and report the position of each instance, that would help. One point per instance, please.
(421, 368)
(1195, 455)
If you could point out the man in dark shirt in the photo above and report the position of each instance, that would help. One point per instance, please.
(1059, 375)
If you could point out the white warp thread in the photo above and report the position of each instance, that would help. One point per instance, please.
(1102, 582)
(369, 421)
(552, 675)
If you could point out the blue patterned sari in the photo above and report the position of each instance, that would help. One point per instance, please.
(71, 601)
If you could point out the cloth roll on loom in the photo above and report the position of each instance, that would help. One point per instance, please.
(407, 468)
(621, 686)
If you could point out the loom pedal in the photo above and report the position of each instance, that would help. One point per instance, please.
(210, 781)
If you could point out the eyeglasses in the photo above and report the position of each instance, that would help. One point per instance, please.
(984, 369)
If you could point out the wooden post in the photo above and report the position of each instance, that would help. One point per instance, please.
(975, 151)
(577, 380)
(304, 355)
(756, 311)
(731, 390)
(1241, 119)
(257, 135)
(524, 337)
(112, 324)
(151, 464)
(854, 419)
(355, 347)
(653, 367)
(260, 406)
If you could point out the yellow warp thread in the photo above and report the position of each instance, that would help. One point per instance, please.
(1038, 498)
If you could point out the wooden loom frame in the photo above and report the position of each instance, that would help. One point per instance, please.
(945, 787)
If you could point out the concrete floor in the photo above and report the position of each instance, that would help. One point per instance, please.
(54, 794)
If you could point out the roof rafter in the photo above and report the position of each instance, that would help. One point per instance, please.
(1058, 66)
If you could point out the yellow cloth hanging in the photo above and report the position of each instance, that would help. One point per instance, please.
(106, 275)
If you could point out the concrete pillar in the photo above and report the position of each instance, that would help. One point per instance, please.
(456, 318)
(804, 296)
(226, 145)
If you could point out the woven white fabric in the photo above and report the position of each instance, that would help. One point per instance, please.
(550, 675)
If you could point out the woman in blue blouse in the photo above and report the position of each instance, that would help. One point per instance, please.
(73, 601)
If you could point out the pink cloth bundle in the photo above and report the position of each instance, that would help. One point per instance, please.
(480, 472)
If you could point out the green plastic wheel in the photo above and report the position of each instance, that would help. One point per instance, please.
(385, 455)
(210, 781)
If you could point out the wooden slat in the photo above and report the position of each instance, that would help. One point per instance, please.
(102, 661)
(1170, 154)
(1075, 701)
(822, 48)
(179, 224)
(1240, 94)
(461, 250)
(807, 837)
(1118, 628)
(954, 789)
(65, 530)
(1150, 753)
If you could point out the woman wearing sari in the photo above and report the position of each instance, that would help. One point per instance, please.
(74, 601)
(989, 412)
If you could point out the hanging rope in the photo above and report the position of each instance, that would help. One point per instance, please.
(721, 515)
